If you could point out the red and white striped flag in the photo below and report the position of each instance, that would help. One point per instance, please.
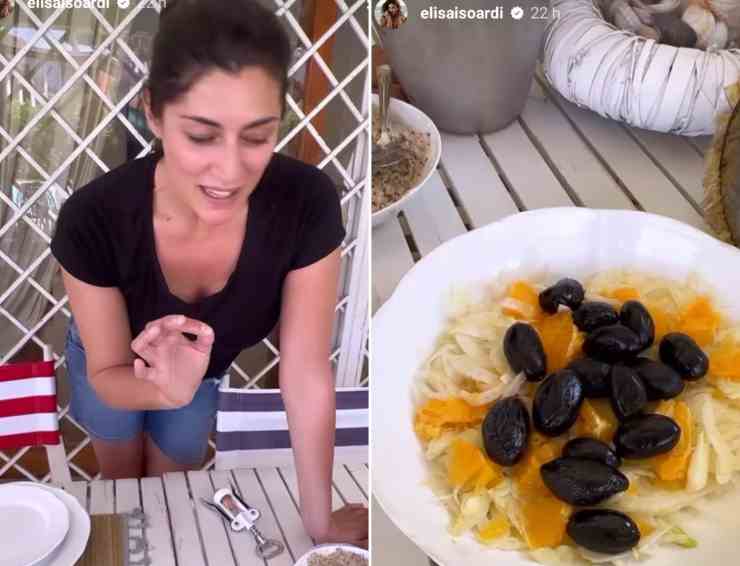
(28, 405)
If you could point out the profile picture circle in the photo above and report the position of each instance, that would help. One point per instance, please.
(391, 14)
(6, 8)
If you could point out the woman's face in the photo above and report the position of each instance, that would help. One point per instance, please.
(393, 9)
(218, 139)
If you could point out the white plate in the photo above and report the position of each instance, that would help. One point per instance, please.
(327, 549)
(75, 542)
(32, 524)
(554, 242)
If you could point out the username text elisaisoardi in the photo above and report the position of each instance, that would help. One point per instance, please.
(458, 13)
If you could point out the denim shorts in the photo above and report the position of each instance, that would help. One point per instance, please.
(181, 434)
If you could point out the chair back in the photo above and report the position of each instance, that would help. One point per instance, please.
(252, 428)
(28, 414)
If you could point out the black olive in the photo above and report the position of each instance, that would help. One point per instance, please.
(582, 482)
(603, 530)
(660, 380)
(628, 395)
(594, 376)
(591, 449)
(637, 318)
(684, 355)
(612, 344)
(593, 314)
(506, 430)
(557, 402)
(645, 436)
(568, 292)
(524, 351)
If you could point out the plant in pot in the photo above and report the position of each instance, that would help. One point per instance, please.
(468, 66)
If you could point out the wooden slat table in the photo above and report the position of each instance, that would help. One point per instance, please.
(555, 154)
(182, 532)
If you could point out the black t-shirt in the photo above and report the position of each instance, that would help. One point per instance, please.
(105, 237)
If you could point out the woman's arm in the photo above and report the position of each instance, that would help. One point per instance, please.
(101, 317)
(307, 385)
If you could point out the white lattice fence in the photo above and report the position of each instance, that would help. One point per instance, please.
(32, 205)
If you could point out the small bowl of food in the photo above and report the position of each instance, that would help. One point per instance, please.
(395, 186)
(335, 555)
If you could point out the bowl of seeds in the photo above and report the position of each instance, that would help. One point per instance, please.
(393, 187)
(335, 555)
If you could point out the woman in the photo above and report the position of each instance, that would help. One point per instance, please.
(392, 15)
(176, 262)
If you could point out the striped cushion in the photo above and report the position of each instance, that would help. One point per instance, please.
(28, 405)
(252, 428)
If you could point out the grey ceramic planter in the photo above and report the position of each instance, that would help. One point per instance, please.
(469, 76)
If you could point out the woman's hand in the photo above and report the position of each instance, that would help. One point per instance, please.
(176, 364)
(348, 525)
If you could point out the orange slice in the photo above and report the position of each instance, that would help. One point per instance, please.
(596, 420)
(464, 463)
(526, 472)
(670, 485)
(666, 407)
(724, 362)
(624, 294)
(674, 465)
(489, 476)
(561, 340)
(644, 525)
(497, 527)
(664, 321)
(522, 302)
(543, 516)
(468, 466)
(440, 415)
(700, 321)
(544, 520)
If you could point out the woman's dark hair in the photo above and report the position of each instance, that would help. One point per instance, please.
(197, 36)
(388, 5)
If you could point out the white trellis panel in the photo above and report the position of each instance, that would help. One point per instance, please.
(31, 210)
